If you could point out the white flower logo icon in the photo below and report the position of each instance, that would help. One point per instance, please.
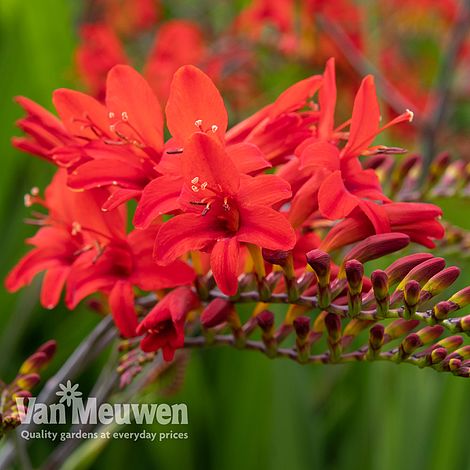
(68, 393)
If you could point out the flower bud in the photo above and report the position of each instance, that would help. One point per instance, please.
(265, 320)
(461, 298)
(27, 381)
(411, 292)
(402, 171)
(380, 287)
(277, 257)
(379, 281)
(401, 267)
(465, 323)
(34, 363)
(333, 327)
(438, 167)
(410, 344)
(462, 353)
(302, 326)
(430, 333)
(354, 274)
(423, 271)
(216, 313)
(320, 263)
(454, 364)
(399, 327)
(376, 246)
(376, 340)
(48, 348)
(451, 343)
(438, 355)
(441, 310)
(439, 282)
(302, 330)
(463, 372)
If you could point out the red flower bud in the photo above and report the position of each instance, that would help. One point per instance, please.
(399, 327)
(277, 257)
(376, 337)
(216, 313)
(451, 343)
(320, 262)
(441, 310)
(376, 246)
(438, 355)
(461, 298)
(265, 320)
(410, 344)
(302, 326)
(439, 282)
(354, 274)
(423, 271)
(400, 268)
(430, 333)
(333, 326)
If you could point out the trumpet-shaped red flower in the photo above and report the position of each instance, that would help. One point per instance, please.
(417, 220)
(86, 250)
(334, 181)
(163, 326)
(223, 208)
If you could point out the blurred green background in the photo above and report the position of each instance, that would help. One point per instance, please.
(245, 411)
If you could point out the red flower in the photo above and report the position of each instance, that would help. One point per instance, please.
(164, 325)
(334, 181)
(75, 224)
(194, 105)
(45, 133)
(87, 250)
(417, 220)
(279, 128)
(235, 209)
(120, 267)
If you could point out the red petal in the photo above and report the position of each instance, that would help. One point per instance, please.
(78, 111)
(266, 228)
(295, 96)
(334, 200)
(264, 190)
(194, 97)
(248, 158)
(52, 285)
(31, 264)
(121, 302)
(377, 216)
(320, 155)
(97, 173)
(365, 119)
(327, 101)
(137, 112)
(305, 201)
(204, 160)
(120, 196)
(184, 233)
(224, 265)
(159, 197)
